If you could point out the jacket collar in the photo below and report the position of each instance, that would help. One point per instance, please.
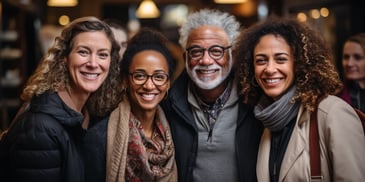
(51, 104)
(179, 94)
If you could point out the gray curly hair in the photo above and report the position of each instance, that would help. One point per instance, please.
(210, 17)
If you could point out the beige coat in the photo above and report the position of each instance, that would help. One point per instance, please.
(117, 144)
(342, 145)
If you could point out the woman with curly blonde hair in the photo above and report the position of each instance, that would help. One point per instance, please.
(284, 69)
(78, 80)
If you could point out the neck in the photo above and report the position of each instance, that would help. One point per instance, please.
(147, 119)
(209, 96)
(72, 99)
(361, 83)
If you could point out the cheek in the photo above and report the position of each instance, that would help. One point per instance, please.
(105, 64)
(257, 71)
(362, 65)
(191, 64)
(163, 88)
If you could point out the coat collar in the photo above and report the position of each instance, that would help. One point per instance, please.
(295, 149)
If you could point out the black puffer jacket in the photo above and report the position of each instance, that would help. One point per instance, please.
(44, 144)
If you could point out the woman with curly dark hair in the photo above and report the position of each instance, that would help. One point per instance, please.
(77, 80)
(134, 143)
(284, 69)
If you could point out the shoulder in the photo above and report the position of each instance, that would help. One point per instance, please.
(338, 116)
(333, 103)
(37, 131)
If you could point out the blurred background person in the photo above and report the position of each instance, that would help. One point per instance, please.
(120, 34)
(353, 64)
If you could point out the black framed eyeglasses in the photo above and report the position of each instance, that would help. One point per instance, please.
(140, 78)
(215, 52)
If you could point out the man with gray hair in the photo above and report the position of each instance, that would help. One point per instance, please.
(216, 136)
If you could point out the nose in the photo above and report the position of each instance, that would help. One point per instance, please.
(149, 84)
(206, 59)
(351, 60)
(270, 68)
(92, 62)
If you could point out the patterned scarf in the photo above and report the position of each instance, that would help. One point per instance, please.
(149, 159)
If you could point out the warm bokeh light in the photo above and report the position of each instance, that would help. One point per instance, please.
(229, 1)
(246, 9)
(315, 13)
(302, 17)
(324, 12)
(62, 3)
(64, 20)
(148, 9)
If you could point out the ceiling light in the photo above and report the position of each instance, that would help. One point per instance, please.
(62, 3)
(147, 9)
(229, 1)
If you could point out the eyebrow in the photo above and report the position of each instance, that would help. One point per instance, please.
(155, 71)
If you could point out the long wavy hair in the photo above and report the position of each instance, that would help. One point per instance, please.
(315, 73)
(52, 74)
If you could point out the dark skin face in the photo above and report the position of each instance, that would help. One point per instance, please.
(209, 75)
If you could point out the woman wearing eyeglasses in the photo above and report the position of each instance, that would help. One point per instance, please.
(139, 145)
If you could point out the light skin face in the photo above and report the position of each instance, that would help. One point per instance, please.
(89, 62)
(207, 73)
(353, 62)
(274, 65)
(121, 37)
(146, 97)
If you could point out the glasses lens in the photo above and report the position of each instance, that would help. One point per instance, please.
(159, 78)
(195, 53)
(216, 52)
(139, 78)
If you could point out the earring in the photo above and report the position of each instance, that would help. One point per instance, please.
(167, 93)
(125, 91)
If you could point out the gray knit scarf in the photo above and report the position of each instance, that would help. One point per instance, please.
(276, 115)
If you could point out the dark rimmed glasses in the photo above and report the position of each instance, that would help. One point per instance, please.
(216, 52)
(140, 78)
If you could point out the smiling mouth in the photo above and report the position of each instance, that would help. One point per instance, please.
(148, 96)
(90, 75)
(271, 81)
(207, 71)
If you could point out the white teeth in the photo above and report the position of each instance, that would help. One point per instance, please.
(272, 80)
(207, 71)
(90, 75)
(148, 95)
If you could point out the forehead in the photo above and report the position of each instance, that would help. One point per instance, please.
(149, 60)
(96, 39)
(272, 42)
(351, 46)
(207, 35)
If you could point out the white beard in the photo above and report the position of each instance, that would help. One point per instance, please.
(206, 83)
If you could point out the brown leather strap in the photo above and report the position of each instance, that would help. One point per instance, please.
(314, 150)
